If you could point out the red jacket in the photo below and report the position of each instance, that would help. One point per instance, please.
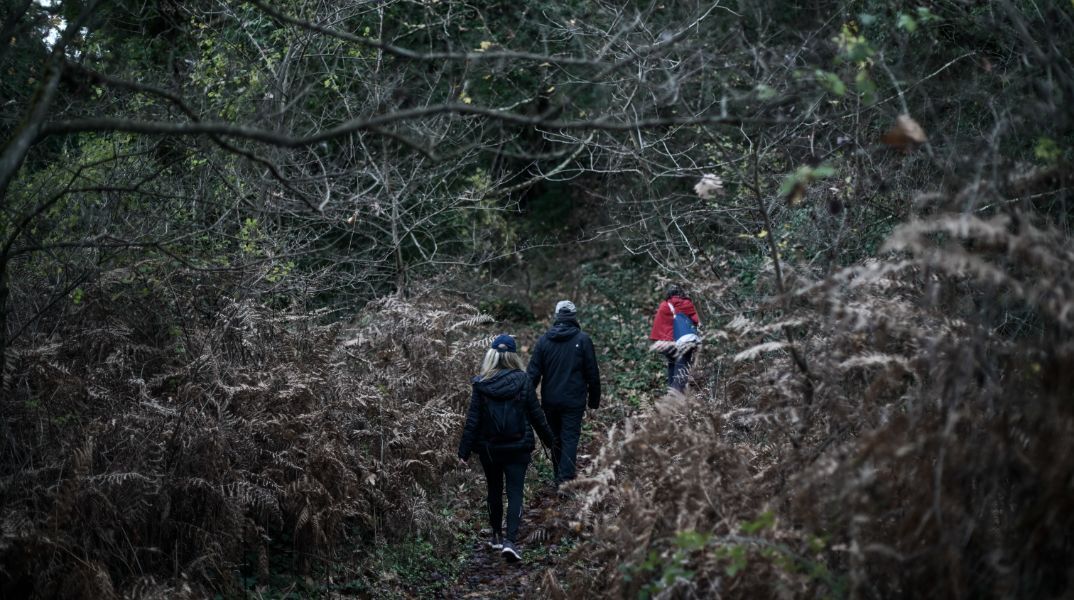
(662, 321)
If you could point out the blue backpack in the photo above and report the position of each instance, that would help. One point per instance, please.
(682, 328)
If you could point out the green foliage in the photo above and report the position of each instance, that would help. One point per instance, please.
(831, 82)
(865, 86)
(906, 22)
(922, 16)
(764, 521)
(853, 46)
(765, 92)
(746, 269)
(661, 570)
(618, 318)
(1047, 150)
(803, 176)
(736, 557)
(249, 234)
(397, 570)
(280, 271)
(418, 564)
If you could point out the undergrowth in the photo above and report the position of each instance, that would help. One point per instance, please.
(922, 447)
(258, 453)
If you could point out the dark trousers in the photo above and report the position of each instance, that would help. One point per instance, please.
(679, 368)
(566, 423)
(500, 466)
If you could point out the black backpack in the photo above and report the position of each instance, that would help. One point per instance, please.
(504, 419)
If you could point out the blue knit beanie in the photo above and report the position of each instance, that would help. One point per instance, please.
(504, 343)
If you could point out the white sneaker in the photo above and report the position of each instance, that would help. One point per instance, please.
(496, 543)
(510, 553)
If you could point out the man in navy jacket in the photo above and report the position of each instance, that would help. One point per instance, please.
(564, 365)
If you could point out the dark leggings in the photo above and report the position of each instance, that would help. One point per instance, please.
(679, 369)
(510, 466)
(566, 424)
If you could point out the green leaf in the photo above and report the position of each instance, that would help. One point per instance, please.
(788, 184)
(766, 520)
(927, 16)
(865, 86)
(1047, 149)
(691, 540)
(816, 544)
(823, 171)
(765, 92)
(737, 554)
(853, 47)
(867, 19)
(906, 22)
(831, 82)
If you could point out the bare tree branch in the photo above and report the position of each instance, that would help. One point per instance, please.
(367, 124)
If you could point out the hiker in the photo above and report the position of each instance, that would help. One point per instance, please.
(565, 366)
(499, 426)
(678, 347)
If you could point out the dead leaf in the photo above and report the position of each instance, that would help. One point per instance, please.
(796, 194)
(709, 187)
(905, 135)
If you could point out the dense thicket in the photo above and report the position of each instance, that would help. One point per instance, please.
(237, 241)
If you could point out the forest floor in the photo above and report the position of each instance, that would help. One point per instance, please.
(545, 539)
(487, 575)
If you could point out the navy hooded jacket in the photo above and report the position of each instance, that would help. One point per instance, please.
(565, 366)
(504, 385)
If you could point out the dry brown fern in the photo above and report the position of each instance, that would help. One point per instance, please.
(176, 464)
(934, 458)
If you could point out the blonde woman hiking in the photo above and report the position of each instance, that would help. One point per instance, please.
(500, 422)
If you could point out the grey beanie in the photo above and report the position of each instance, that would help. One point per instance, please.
(565, 309)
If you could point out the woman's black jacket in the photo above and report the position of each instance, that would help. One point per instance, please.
(505, 386)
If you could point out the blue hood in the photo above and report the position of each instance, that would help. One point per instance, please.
(563, 330)
(505, 384)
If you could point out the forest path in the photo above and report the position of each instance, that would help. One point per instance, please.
(487, 575)
(545, 538)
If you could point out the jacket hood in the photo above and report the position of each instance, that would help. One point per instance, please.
(680, 302)
(563, 330)
(505, 384)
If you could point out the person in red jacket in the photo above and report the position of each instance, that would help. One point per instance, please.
(678, 357)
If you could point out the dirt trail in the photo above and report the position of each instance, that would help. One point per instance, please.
(544, 536)
(486, 573)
